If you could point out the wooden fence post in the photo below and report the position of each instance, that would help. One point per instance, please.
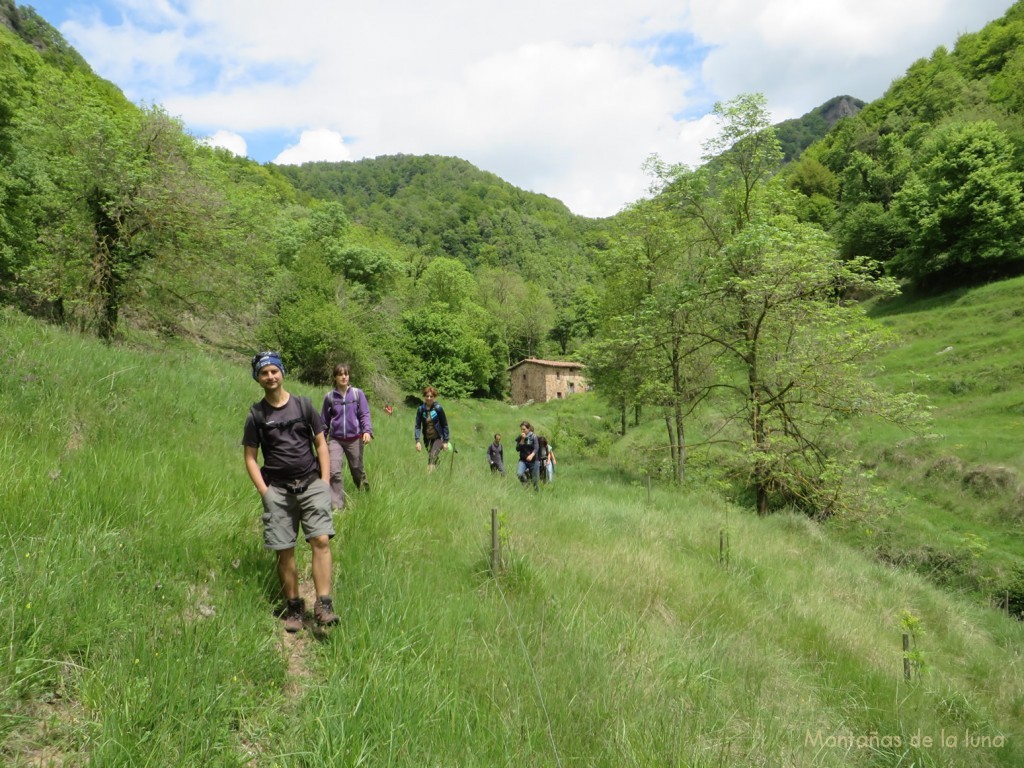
(906, 656)
(495, 544)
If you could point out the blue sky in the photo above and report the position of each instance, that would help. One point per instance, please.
(562, 97)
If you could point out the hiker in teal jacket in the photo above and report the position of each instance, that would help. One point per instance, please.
(432, 425)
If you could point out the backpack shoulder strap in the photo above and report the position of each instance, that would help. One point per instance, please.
(328, 408)
(306, 407)
(257, 419)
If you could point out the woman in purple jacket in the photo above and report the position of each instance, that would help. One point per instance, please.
(346, 415)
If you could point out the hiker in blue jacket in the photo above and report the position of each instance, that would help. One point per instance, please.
(346, 414)
(432, 425)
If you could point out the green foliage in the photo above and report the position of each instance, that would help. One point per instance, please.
(33, 29)
(940, 153)
(739, 307)
(963, 207)
(312, 328)
(449, 355)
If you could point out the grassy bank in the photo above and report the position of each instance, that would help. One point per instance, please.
(956, 491)
(627, 628)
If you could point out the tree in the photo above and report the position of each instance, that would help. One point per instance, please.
(963, 208)
(312, 321)
(448, 332)
(647, 352)
(118, 192)
(575, 316)
(449, 354)
(504, 296)
(771, 316)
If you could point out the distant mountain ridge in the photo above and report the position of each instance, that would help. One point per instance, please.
(797, 134)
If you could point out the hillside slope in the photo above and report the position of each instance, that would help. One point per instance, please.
(626, 629)
(956, 490)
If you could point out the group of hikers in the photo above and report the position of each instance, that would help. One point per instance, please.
(536, 457)
(301, 481)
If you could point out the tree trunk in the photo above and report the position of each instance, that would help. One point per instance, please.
(105, 271)
(680, 452)
(762, 500)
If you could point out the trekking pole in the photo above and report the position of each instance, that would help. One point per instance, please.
(451, 466)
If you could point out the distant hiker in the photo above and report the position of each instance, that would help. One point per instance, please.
(526, 444)
(542, 458)
(293, 484)
(432, 424)
(496, 456)
(346, 414)
(550, 464)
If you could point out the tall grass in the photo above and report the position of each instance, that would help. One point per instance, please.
(956, 491)
(139, 621)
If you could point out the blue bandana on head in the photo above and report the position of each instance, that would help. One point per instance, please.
(263, 359)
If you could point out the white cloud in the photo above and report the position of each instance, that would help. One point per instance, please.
(320, 144)
(233, 142)
(564, 98)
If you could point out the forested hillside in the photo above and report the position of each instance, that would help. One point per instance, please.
(115, 221)
(928, 179)
(698, 308)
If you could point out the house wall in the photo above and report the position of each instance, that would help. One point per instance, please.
(540, 383)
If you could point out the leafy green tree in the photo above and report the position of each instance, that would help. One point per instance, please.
(314, 325)
(118, 192)
(504, 296)
(962, 208)
(446, 281)
(648, 352)
(448, 332)
(575, 316)
(868, 230)
(449, 353)
(770, 315)
(18, 178)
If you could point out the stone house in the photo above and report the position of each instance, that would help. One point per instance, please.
(543, 380)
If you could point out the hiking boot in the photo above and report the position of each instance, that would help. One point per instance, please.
(294, 614)
(323, 612)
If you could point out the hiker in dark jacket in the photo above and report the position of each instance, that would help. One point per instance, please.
(496, 456)
(346, 414)
(432, 425)
(292, 484)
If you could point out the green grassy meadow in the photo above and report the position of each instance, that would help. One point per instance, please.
(630, 626)
(956, 504)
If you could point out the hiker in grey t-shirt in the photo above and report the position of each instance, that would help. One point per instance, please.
(293, 485)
